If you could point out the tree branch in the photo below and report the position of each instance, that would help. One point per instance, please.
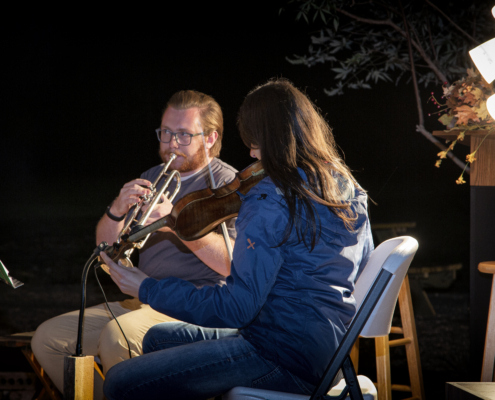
(421, 129)
(453, 23)
(440, 75)
(413, 69)
(366, 20)
(430, 36)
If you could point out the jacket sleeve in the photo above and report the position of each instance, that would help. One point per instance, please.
(255, 266)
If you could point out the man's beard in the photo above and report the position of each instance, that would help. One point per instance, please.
(191, 163)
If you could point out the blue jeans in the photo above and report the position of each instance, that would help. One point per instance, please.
(184, 361)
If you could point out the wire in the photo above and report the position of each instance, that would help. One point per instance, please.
(84, 278)
(386, 182)
(111, 312)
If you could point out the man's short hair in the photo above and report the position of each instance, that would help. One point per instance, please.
(210, 113)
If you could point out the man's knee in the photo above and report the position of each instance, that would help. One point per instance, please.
(46, 341)
(113, 347)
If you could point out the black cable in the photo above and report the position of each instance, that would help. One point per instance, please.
(84, 277)
(386, 182)
(109, 309)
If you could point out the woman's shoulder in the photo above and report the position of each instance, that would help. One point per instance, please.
(265, 188)
(263, 211)
(264, 197)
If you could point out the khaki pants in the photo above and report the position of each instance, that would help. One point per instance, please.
(56, 338)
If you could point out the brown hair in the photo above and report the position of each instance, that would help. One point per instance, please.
(290, 132)
(210, 113)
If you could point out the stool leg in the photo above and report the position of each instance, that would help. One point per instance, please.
(48, 385)
(97, 369)
(487, 374)
(412, 349)
(355, 355)
(384, 385)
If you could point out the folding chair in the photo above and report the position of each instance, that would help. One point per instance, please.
(376, 295)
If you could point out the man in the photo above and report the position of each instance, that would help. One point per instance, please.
(191, 124)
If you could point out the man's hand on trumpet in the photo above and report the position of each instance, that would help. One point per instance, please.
(127, 279)
(129, 195)
(163, 208)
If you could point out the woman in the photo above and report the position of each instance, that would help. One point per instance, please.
(303, 233)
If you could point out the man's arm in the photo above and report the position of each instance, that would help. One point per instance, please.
(108, 230)
(212, 250)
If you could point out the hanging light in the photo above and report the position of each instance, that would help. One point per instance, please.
(484, 58)
(490, 105)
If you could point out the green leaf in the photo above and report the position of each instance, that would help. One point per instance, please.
(323, 17)
(446, 119)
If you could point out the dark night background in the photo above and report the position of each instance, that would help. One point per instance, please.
(83, 94)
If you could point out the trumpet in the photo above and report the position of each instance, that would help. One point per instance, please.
(121, 252)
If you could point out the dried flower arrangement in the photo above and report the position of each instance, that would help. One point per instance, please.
(465, 109)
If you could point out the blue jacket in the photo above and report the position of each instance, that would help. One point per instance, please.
(292, 305)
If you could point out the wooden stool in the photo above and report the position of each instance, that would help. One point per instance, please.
(383, 344)
(487, 374)
(23, 342)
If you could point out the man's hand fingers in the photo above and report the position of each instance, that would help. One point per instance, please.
(127, 279)
(109, 263)
(139, 181)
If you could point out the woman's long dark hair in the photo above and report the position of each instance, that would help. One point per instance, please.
(290, 132)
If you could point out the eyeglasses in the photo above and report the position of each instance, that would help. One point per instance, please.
(182, 138)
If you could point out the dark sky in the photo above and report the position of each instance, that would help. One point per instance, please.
(83, 91)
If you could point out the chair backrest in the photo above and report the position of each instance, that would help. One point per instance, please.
(395, 256)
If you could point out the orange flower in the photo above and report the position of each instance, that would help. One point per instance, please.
(460, 181)
(470, 157)
(437, 164)
(442, 154)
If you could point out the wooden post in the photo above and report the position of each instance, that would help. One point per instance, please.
(355, 355)
(481, 246)
(483, 169)
(482, 230)
(78, 377)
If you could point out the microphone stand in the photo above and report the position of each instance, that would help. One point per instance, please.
(78, 368)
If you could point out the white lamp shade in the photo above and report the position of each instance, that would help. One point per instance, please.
(493, 12)
(490, 105)
(484, 58)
